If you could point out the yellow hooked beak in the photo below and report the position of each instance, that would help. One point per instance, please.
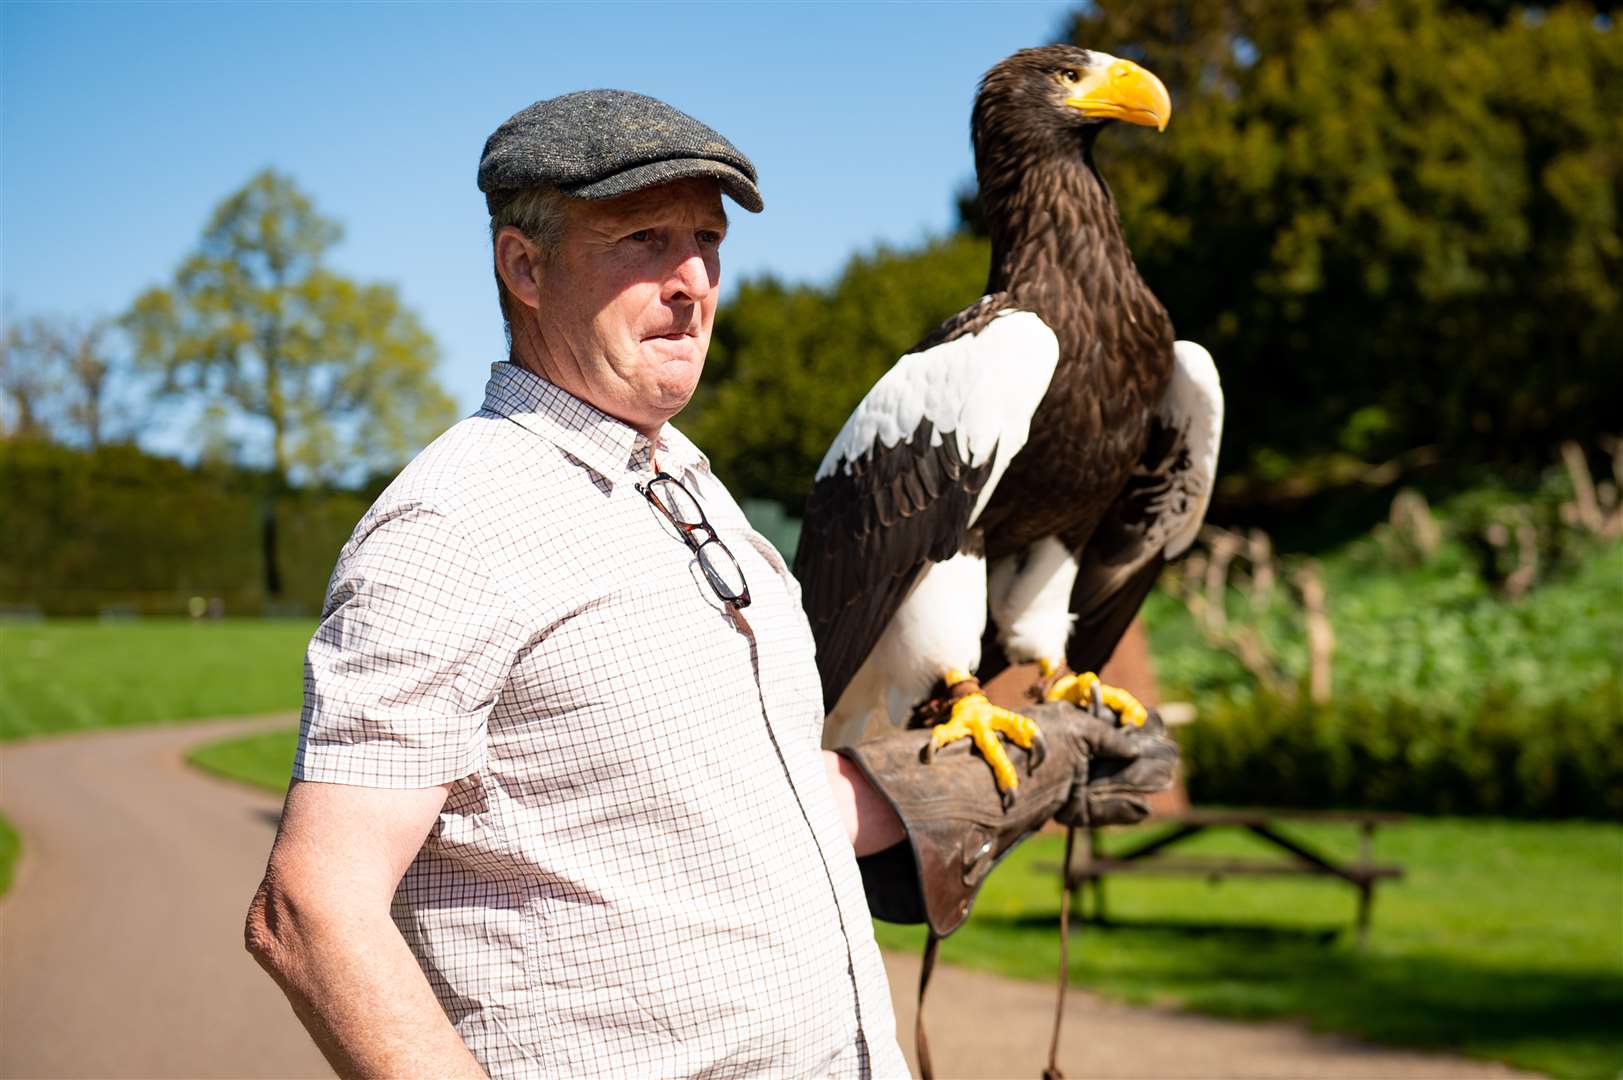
(1121, 90)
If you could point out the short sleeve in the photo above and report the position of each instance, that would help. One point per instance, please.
(414, 647)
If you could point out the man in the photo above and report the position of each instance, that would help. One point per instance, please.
(559, 806)
(561, 715)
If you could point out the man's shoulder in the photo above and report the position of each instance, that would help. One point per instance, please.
(474, 465)
(467, 476)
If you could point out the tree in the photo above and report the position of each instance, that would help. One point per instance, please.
(82, 349)
(337, 374)
(27, 381)
(1394, 224)
(64, 380)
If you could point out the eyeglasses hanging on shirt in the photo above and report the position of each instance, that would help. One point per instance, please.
(681, 506)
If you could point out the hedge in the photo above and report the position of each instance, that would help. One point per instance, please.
(1563, 759)
(116, 529)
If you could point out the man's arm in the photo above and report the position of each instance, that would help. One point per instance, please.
(320, 925)
(869, 820)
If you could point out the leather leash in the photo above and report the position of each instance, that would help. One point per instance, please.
(921, 1043)
(1052, 1072)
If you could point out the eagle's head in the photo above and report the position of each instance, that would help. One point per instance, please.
(1055, 93)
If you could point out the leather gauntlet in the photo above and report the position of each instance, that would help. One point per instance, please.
(1093, 773)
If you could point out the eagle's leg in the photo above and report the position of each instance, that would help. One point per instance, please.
(1060, 684)
(974, 717)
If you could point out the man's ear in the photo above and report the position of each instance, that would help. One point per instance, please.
(518, 261)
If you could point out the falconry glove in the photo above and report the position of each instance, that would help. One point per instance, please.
(1087, 771)
(1091, 772)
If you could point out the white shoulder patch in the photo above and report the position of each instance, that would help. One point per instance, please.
(980, 389)
(1194, 406)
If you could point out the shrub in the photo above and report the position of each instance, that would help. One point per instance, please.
(117, 528)
(1490, 754)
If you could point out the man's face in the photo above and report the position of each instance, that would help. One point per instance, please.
(628, 301)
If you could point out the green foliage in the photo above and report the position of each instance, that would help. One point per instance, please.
(1393, 224)
(115, 527)
(1449, 696)
(787, 363)
(10, 849)
(1437, 637)
(1486, 754)
(1502, 942)
(255, 326)
(70, 675)
(264, 760)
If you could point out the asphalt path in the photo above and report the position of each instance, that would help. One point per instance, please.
(121, 938)
(121, 948)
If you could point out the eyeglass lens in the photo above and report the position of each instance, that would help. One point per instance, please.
(721, 568)
(681, 505)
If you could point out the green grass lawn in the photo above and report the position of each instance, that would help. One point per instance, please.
(1505, 940)
(264, 760)
(73, 674)
(8, 854)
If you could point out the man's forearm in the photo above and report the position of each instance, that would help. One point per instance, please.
(869, 820)
(356, 988)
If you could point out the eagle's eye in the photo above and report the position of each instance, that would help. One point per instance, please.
(1070, 75)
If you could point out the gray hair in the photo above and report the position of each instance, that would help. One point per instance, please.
(541, 214)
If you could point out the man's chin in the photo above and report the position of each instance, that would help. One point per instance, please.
(673, 387)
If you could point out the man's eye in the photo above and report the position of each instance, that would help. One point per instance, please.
(709, 236)
(642, 236)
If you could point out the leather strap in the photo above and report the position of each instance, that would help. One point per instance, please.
(1053, 1071)
(920, 1043)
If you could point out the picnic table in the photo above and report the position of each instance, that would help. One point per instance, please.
(1089, 865)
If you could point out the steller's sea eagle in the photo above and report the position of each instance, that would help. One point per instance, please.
(1032, 462)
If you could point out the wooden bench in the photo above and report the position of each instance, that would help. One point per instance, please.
(1089, 865)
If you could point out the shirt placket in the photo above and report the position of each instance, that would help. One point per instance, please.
(641, 462)
(742, 624)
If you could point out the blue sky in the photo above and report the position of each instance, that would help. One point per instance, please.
(125, 123)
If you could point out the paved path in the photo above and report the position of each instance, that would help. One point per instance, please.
(121, 939)
(121, 948)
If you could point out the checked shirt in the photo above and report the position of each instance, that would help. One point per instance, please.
(640, 870)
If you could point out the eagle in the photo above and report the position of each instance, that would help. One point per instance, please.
(1008, 491)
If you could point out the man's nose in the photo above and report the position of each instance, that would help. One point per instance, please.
(691, 276)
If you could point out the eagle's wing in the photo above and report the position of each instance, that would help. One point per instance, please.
(906, 477)
(1158, 513)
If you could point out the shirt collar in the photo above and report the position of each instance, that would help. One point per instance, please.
(611, 448)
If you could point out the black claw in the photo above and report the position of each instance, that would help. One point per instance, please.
(1008, 799)
(927, 754)
(1098, 694)
(1038, 754)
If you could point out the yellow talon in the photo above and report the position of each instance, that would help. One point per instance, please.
(1078, 689)
(977, 718)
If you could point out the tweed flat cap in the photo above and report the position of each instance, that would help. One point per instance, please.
(596, 144)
